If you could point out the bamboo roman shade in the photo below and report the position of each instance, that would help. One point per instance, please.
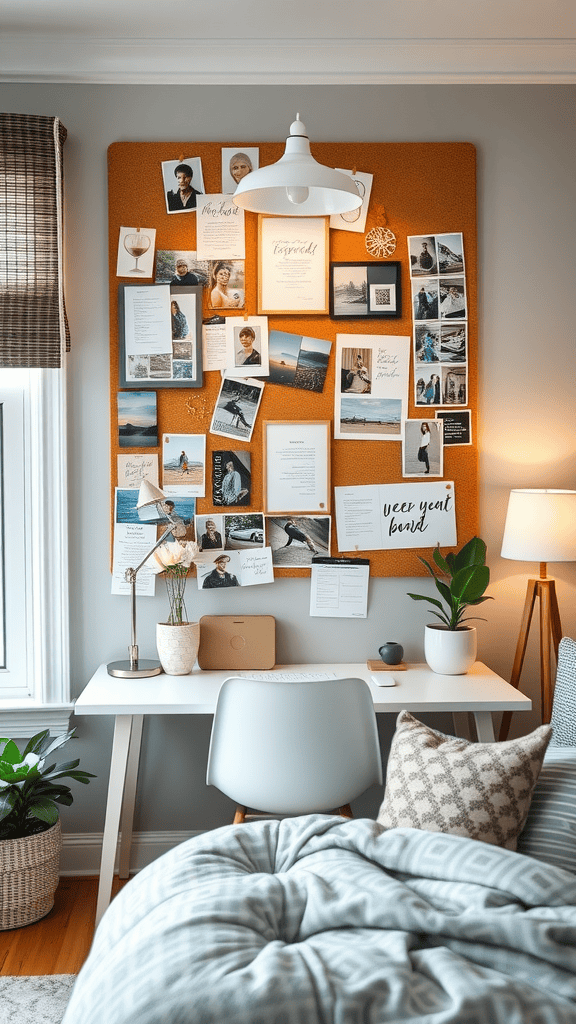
(33, 325)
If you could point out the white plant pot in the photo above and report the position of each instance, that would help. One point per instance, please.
(177, 646)
(450, 652)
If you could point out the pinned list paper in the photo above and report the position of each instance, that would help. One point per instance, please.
(339, 587)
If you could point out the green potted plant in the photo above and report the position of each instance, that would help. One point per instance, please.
(450, 646)
(30, 836)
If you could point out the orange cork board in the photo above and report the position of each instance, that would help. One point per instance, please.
(418, 189)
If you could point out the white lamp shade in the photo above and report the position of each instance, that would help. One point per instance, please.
(540, 526)
(149, 494)
(297, 185)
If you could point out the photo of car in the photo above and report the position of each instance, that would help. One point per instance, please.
(254, 536)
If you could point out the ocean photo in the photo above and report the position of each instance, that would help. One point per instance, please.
(283, 352)
(126, 511)
(312, 364)
(137, 420)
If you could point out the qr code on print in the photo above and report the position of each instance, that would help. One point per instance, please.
(382, 297)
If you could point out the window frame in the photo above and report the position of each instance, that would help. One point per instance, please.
(40, 698)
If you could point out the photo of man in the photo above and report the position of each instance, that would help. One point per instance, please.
(181, 195)
(220, 577)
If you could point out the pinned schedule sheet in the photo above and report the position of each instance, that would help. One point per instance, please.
(339, 587)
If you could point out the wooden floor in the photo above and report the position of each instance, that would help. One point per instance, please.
(59, 943)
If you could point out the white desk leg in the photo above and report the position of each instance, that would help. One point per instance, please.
(484, 726)
(118, 764)
(127, 819)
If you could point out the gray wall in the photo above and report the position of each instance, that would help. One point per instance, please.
(526, 201)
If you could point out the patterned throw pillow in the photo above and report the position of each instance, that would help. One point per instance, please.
(550, 830)
(563, 719)
(443, 784)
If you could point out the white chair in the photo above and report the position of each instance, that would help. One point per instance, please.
(292, 747)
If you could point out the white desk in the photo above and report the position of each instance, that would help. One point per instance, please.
(418, 689)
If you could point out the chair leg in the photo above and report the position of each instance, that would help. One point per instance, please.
(345, 811)
(240, 815)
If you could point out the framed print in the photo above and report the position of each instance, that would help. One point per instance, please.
(160, 330)
(293, 264)
(359, 290)
(296, 466)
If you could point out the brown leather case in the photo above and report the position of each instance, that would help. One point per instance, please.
(237, 642)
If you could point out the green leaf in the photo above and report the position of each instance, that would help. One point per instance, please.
(7, 801)
(473, 553)
(11, 753)
(44, 809)
(34, 743)
(441, 561)
(428, 566)
(470, 583)
(444, 590)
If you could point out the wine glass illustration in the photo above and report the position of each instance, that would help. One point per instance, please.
(137, 244)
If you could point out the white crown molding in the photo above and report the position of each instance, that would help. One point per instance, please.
(36, 58)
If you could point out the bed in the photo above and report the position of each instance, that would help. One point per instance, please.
(318, 919)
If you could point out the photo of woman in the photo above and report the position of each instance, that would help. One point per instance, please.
(422, 448)
(222, 292)
(246, 354)
(180, 327)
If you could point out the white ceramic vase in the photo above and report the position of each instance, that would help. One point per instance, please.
(177, 646)
(450, 652)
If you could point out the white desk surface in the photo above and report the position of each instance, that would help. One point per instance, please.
(417, 689)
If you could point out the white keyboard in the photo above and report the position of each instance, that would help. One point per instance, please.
(288, 677)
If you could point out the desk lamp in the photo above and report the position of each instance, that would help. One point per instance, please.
(297, 185)
(137, 667)
(540, 527)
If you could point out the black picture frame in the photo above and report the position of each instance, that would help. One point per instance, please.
(365, 290)
(185, 363)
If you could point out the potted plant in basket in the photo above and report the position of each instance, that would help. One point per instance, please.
(30, 836)
(450, 646)
(177, 639)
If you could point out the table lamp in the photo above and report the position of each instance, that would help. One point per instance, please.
(540, 527)
(148, 495)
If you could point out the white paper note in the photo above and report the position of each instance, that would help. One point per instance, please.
(219, 228)
(379, 517)
(339, 588)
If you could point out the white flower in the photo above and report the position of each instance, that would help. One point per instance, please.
(173, 553)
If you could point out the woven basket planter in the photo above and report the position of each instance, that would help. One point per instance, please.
(28, 877)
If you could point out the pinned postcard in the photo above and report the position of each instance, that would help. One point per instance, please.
(247, 346)
(133, 469)
(136, 252)
(184, 464)
(132, 541)
(224, 569)
(236, 408)
(355, 220)
(371, 390)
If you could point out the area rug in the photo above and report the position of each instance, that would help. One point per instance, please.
(40, 999)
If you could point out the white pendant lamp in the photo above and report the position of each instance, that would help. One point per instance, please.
(297, 185)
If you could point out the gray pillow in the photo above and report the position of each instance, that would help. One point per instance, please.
(550, 830)
(563, 719)
(444, 784)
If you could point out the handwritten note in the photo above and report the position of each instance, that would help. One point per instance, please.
(219, 228)
(133, 469)
(384, 516)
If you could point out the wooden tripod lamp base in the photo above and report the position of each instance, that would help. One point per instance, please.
(543, 590)
(540, 527)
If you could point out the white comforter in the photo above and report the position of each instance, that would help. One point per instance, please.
(316, 919)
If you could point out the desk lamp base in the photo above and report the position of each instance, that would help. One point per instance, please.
(138, 670)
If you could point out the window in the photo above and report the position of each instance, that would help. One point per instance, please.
(34, 643)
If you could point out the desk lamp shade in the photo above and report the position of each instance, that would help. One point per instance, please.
(149, 494)
(540, 526)
(297, 185)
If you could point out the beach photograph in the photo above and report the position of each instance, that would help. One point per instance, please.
(137, 419)
(360, 416)
(312, 365)
(283, 352)
(183, 462)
